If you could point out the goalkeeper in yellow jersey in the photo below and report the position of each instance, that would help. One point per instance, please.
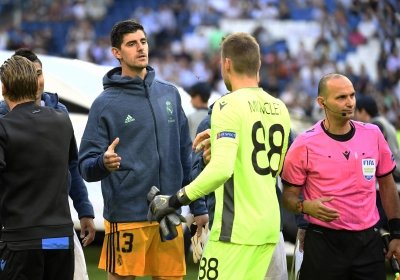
(249, 138)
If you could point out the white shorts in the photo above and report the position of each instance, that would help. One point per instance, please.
(277, 269)
(80, 264)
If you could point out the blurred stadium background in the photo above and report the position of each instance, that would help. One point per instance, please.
(300, 41)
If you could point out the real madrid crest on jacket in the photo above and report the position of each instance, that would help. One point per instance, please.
(170, 111)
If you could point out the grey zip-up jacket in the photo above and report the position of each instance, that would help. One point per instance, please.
(154, 145)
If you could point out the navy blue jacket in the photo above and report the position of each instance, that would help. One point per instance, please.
(77, 191)
(198, 166)
(154, 146)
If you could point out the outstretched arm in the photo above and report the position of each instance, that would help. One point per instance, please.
(314, 208)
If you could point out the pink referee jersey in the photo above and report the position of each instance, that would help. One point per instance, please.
(347, 170)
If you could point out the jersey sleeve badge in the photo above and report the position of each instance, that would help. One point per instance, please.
(226, 134)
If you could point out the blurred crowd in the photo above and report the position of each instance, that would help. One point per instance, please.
(182, 53)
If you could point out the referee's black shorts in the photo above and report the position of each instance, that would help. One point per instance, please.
(342, 254)
(36, 264)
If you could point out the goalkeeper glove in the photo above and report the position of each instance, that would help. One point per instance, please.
(165, 215)
(158, 205)
(198, 243)
(168, 226)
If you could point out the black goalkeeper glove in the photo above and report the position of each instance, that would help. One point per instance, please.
(160, 208)
(165, 215)
(168, 226)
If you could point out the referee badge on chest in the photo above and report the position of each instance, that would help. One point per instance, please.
(368, 168)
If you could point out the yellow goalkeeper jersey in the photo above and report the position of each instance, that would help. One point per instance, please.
(249, 139)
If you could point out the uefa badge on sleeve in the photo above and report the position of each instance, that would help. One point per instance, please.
(226, 134)
(368, 168)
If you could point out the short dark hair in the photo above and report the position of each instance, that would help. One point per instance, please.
(244, 52)
(368, 103)
(202, 89)
(27, 53)
(19, 77)
(121, 28)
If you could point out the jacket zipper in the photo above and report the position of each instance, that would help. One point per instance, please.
(155, 131)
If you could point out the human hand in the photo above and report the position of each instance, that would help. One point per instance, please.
(165, 215)
(111, 160)
(87, 225)
(318, 210)
(160, 208)
(394, 264)
(301, 234)
(201, 222)
(206, 151)
(197, 142)
(198, 240)
(168, 226)
(394, 249)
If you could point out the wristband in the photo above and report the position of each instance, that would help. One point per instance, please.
(182, 197)
(394, 228)
(174, 202)
(300, 205)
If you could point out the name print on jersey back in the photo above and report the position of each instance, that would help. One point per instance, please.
(268, 138)
(265, 108)
(257, 125)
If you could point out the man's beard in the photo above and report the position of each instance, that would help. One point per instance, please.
(228, 85)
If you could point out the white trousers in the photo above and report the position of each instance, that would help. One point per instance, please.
(80, 264)
(277, 269)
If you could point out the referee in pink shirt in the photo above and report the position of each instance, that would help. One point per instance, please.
(336, 164)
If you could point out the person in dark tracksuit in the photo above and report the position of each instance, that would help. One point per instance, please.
(78, 191)
(37, 235)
